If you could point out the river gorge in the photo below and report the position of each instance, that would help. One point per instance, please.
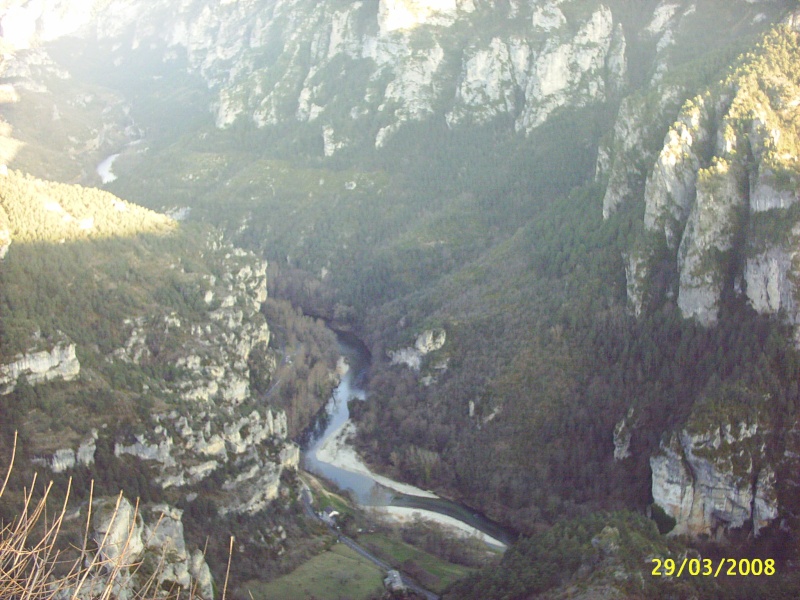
(328, 453)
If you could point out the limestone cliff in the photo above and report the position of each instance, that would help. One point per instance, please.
(730, 466)
(428, 341)
(718, 191)
(36, 367)
(210, 419)
(713, 481)
(625, 160)
(402, 60)
(169, 333)
(126, 536)
(719, 197)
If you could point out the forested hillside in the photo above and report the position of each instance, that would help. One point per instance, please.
(135, 355)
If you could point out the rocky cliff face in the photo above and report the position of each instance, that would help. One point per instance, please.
(402, 60)
(36, 367)
(126, 536)
(718, 190)
(725, 180)
(627, 158)
(167, 322)
(428, 341)
(229, 330)
(714, 481)
(173, 344)
(210, 419)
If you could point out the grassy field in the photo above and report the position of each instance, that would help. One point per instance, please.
(430, 571)
(333, 575)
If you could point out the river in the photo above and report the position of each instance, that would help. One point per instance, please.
(326, 453)
(104, 169)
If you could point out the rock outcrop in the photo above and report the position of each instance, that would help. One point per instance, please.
(720, 197)
(163, 535)
(189, 448)
(125, 536)
(628, 157)
(213, 428)
(428, 341)
(716, 480)
(216, 368)
(66, 458)
(195, 364)
(622, 437)
(768, 278)
(709, 234)
(36, 367)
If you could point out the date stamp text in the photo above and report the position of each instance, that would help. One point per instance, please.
(706, 567)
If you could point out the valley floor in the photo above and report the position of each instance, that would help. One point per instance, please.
(338, 452)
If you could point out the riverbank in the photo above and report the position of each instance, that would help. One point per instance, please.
(336, 451)
(404, 514)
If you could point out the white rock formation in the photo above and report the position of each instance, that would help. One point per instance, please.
(622, 438)
(662, 15)
(125, 536)
(548, 16)
(560, 71)
(713, 186)
(143, 450)
(428, 341)
(540, 64)
(253, 489)
(67, 458)
(117, 531)
(635, 278)
(491, 80)
(767, 275)
(764, 194)
(212, 376)
(38, 367)
(403, 15)
(627, 160)
(696, 481)
(413, 90)
(671, 186)
(189, 449)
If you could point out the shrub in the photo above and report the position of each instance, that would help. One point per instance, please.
(34, 564)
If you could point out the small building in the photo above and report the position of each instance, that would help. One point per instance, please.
(328, 515)
(394, 582)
